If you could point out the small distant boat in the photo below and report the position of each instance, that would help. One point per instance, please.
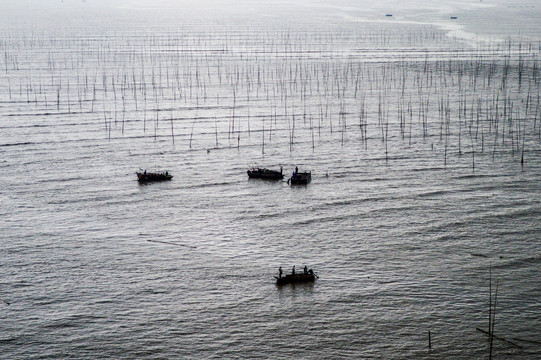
(389, 15)
(300, 178)
(145, 176)
(266, 174)
(308, 276)
(454, 17)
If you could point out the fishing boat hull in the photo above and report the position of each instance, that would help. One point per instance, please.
(144, 177)
(301, 178)
(294, 279)
(265, 174)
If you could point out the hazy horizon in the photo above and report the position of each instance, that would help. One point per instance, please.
(476, 20)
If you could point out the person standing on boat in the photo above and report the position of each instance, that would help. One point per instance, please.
(293, 271)
(280, 272)
(296, 170)
(305, 270)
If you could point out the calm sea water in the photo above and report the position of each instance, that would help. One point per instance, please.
(413, 125)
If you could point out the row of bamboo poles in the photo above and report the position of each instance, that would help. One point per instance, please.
(290, 88)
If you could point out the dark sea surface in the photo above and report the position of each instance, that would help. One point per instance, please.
(422, 133)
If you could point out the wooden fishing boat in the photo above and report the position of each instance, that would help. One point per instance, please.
(145, 176)
(300, 178)
(296, 278)
(265, 174)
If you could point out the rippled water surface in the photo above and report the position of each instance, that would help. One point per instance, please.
(422, 134)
